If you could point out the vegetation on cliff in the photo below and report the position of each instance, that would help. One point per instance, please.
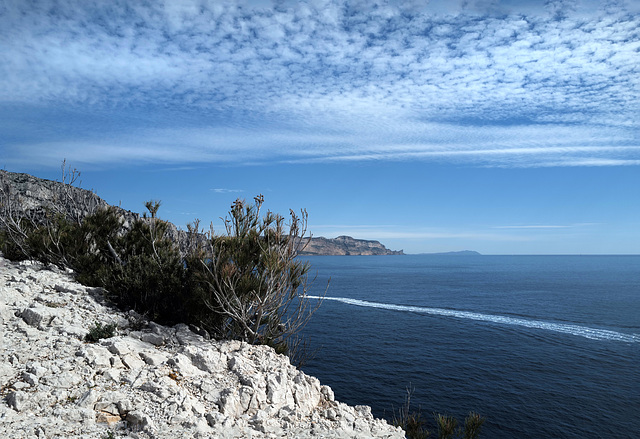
(245, 284)
(415, 424)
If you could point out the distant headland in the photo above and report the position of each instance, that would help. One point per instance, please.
(346, 246)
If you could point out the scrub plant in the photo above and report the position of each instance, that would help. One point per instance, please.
(446, 425)
(410, 421)
(47, 232)
(472, 425)
(253, 280)
(146, 271)
(100, 331)
(415, 426)
(244, 284)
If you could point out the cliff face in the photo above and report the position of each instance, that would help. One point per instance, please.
(346, 245)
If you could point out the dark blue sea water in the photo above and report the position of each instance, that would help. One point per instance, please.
(542, 346)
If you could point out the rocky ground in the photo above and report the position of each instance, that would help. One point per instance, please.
(148, 381)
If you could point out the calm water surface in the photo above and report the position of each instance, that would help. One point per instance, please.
(543, 346)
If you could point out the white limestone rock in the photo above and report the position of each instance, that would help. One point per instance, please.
(18, 400)
(154, 339)
(149, 381)
(153, 358)
(37, 316)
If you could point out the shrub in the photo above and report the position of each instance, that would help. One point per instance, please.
(95, 255)
(146, 272)
(84, 247)
(4, 241)
(253, 280)
(253, 286)
(100, 331)
(446, 425)
(412, 422)
(48, 233)
(245, 284)
(50, 241)
(472, 425)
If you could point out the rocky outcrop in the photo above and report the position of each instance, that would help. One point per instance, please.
(346, 245)
(147, 381)
(31, 197)
(36, 193)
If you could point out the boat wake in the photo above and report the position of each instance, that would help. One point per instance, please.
(582, 331)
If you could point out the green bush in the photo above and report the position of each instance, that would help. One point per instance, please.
(472, 425)
(52, 233)
(100, 331)
(146, 272)
(253, 279)
(245, 284)
(446, 425)
(94, 257)
(13, 246)
(409, 420)
(3, 242)
(415, 427)
(55, 239)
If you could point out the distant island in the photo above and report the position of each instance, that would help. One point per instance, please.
(346, 246)
(460, 253)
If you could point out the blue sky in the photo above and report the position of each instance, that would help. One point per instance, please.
(506, 127)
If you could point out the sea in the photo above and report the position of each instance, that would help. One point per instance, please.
(541, 346)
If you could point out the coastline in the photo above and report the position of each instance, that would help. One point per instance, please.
(148, 380)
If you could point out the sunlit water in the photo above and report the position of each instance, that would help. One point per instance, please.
(542, 346)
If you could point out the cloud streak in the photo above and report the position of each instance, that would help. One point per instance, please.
(546, 226)
(226, 191)
(381, 232)
(330, 82)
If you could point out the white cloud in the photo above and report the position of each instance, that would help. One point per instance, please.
(545, 226)
(226, 191)
(381, 232)
(514, 146)
(497, 83)
(550, 227)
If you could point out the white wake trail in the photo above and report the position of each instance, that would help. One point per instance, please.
(582, 331)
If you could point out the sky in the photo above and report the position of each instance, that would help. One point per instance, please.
(500, 126)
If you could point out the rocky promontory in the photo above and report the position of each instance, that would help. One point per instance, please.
(346, 245)
(147, 380)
